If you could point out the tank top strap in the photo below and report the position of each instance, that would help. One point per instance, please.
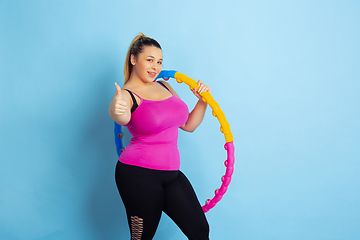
(165, 86)
(133, 93)
(135, 104)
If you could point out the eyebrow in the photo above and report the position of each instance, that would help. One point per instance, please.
(154, 57)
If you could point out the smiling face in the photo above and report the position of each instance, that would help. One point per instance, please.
(147, 65)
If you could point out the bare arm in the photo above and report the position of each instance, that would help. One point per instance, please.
(196, 117)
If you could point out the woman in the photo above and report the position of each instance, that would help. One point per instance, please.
(147, 173)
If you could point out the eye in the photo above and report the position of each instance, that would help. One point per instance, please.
(160, 63)
(150, 60)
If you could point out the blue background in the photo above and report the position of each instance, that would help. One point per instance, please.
(286, 74)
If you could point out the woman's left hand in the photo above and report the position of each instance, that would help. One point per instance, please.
(200, 89)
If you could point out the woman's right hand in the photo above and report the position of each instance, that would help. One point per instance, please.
(119, 106)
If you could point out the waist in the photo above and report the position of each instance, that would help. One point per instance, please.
(166, 136)
(158, 156)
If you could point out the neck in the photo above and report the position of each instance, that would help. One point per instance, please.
(136, 81)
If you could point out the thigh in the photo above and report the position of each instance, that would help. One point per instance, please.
(182, 206)
(143, 197)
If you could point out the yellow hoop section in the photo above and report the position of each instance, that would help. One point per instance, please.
(206, 97)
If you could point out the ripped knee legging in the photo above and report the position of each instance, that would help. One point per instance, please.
(146, 193)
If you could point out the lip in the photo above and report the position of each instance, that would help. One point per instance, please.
(152, 74)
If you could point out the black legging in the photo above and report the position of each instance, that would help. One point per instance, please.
(147, 192)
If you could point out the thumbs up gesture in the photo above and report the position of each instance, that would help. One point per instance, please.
(119, 106)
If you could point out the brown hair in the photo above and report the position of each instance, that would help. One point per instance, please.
(136, 47)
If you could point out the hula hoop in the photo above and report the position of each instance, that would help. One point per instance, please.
(225, 129)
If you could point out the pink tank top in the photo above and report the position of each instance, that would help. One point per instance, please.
(154, 128)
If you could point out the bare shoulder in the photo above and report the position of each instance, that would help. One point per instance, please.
(169, 87)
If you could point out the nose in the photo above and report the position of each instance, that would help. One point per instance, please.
(154, 66)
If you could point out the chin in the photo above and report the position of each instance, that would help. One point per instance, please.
(148, 80)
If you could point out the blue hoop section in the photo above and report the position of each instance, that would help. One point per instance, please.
(166, 74)
(118, 138)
